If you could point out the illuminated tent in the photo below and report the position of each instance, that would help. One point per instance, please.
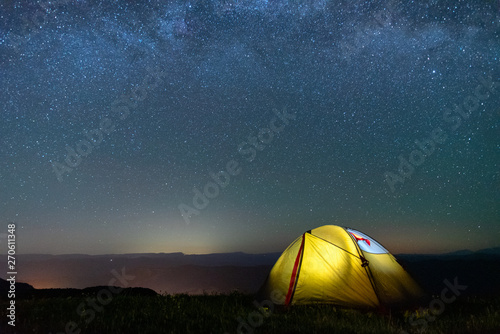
(339, 265)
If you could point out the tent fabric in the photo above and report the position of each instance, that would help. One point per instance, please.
(369, 245)
(333, 264)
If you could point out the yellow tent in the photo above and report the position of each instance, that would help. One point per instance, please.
(333, 264)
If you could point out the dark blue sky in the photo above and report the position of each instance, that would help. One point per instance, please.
(217, 126)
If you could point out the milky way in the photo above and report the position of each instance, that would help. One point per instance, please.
(216, 126)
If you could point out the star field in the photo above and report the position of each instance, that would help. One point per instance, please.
(218, 126)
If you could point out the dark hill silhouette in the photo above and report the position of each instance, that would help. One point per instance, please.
(480, 270)
(21, 289)
(24, 290)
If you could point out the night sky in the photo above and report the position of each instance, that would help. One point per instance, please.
(221, 126)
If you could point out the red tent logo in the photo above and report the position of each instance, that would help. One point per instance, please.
(358, 238)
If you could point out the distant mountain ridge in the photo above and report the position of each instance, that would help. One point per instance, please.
(229, 259)
(178, 258)
(162, 272)
(465, 253)
(225, 272)
(491, 251)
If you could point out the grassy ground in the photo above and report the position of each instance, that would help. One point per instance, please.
(236, 313)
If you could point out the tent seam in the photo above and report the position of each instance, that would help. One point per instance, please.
(331, 243)
(367, 267)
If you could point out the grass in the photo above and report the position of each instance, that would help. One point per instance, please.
(230, 313)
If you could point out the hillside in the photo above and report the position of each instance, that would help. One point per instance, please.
(223, 273)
